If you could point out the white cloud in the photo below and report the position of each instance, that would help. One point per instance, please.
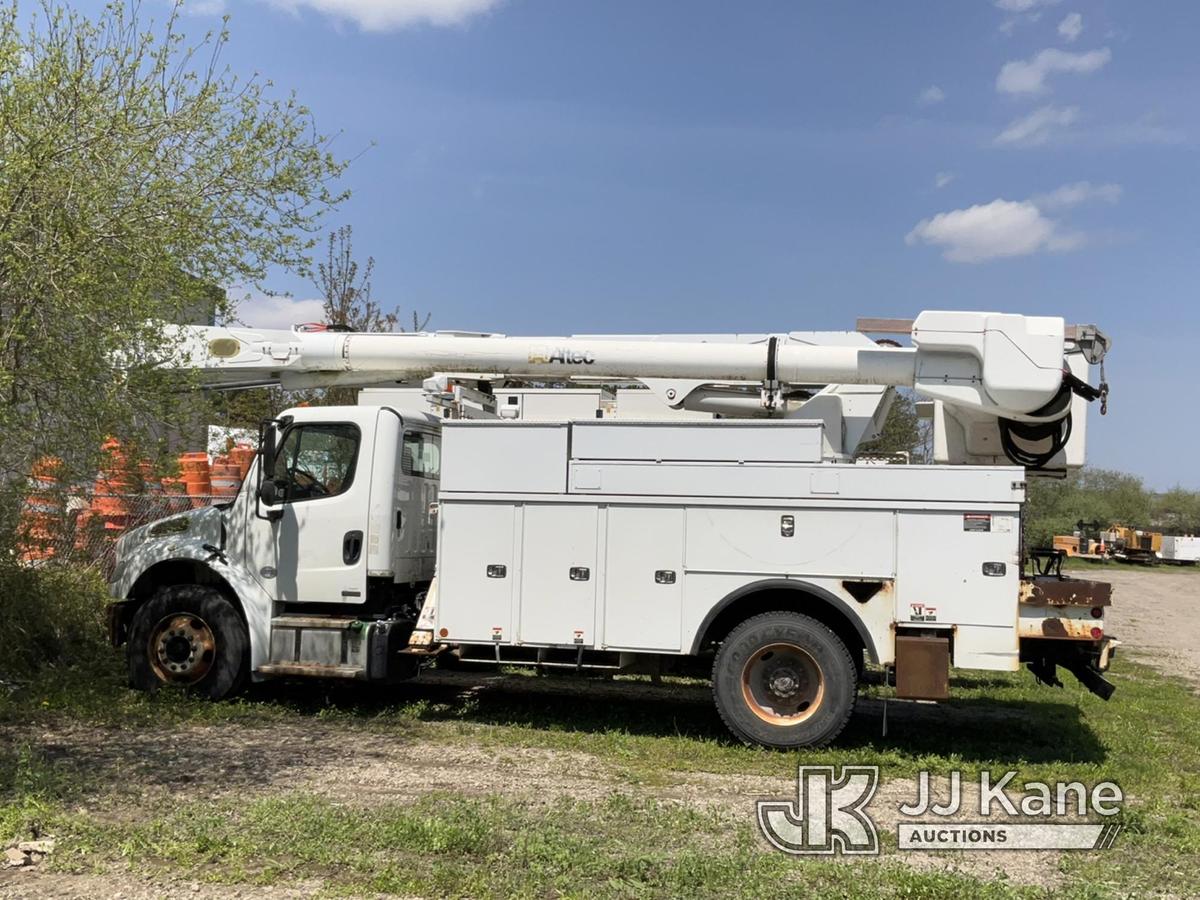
(204, 7)
(1071, 195)
(1039, 126)
(943, 178)
(1002, 228)
(1071, 27)
(1020, 6)
(1020, 12)
(931, 95)
(262, 311)
(388, 15)
(1029, 76)
(1008, 228)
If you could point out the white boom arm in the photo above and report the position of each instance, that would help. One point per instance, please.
(1002, 367)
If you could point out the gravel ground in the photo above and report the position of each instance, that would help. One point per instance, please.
(1156, 615)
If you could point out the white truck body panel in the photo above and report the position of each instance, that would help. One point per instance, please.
(736, 507)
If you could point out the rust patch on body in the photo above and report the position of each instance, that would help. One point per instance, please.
(1050, 591)
(1058, 627)
(864, 589)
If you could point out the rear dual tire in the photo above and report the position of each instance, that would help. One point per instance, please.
(784, 680)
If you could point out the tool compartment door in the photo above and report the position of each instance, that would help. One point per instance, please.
(476, 572)
(643, 588)
(961, 570)
(558, 575)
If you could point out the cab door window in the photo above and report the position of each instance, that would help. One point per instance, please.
(316, 460)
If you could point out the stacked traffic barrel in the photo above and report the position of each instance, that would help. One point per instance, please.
(243, 455)
(116, 482)
(197, 477)
(119, 481)
(41, 523)
(226, 477)
(126, 493)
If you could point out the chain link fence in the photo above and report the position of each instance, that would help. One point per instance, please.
(82, 527)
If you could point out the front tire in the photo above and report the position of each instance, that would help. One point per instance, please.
(188, 636)
(783, 679)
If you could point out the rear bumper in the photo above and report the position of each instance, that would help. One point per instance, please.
(1061, 623)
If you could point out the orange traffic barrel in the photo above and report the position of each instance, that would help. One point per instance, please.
(86, 526)
(114, 483)
(197, 478)
(226, 477)
(40, 523)
(243, 455)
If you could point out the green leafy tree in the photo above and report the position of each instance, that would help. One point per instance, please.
(1177, 511)
(1055, 506)
(136, 172)
(903, 431)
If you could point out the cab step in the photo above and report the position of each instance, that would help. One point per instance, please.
(338, 647)
(312, 670)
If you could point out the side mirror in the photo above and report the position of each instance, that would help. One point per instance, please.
(266, 448)
(269, 492)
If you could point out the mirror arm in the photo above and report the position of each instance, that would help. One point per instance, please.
(266, 456)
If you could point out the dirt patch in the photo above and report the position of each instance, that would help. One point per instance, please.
(1156, 615)
(38, 884)
(130, 771)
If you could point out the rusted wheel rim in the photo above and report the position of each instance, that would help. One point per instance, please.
(782, 684)
(182, 649)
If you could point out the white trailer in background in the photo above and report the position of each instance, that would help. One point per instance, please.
(1180, 550)
(758, 550)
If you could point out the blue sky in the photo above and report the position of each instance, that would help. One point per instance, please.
(549, 166)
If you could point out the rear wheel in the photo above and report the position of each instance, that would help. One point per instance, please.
(782, 679)
(188, 636)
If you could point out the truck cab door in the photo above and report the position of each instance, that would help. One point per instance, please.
(322, 471)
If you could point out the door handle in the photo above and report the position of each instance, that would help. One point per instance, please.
(352, 547)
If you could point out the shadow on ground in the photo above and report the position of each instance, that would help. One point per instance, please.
(977, 728)
(284, 734)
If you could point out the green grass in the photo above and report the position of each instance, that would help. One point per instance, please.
(450, 846)
(1147, 739)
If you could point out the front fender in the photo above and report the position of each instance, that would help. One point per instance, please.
(190, 559)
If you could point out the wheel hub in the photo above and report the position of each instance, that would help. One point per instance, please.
(782, 684)
(182, 649)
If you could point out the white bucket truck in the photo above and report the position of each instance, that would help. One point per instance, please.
(758, 549)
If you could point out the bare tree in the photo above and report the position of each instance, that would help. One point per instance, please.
(347, 292)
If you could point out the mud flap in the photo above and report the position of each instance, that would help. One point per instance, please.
(1043, 658)
(1089, 676)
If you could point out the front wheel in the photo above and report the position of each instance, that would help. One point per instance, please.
(782, 679)
(188, 636)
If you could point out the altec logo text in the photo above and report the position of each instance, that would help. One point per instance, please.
(830, 814)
